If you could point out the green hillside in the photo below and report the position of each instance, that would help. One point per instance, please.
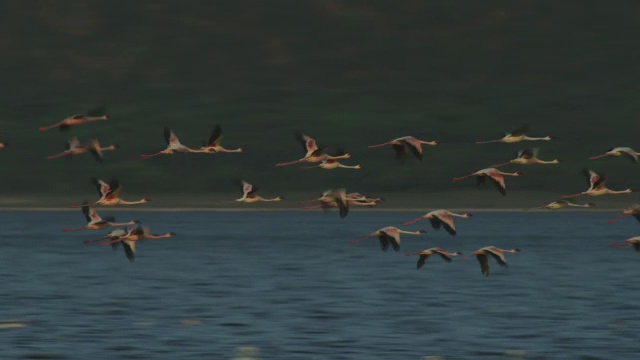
(350, 74)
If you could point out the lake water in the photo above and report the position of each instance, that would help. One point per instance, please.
(289, 285)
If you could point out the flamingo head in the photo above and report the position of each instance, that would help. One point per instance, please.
(468, 215)
(422, 231)
(280, 197)
(589, 204)
(240, 149)
(516, 250)
(517, 173)
(146, 200)
(172, 234)
(115, 147)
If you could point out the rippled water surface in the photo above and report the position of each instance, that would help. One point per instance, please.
(287, 285)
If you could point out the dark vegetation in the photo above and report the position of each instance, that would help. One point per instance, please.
(349, 73)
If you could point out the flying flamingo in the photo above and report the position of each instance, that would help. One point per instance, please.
(424, 255)
(528, 157)
(110, 194)
(559, 204)
(213, 145)
(494, 174)
(330, 164)
(250, 194)
(112, 235)
(483, 257)
(400, 144)
(440, 218)
(634, 241)
(93, 115)
(173, 146)
(516, 136)
(620, 151)
(597, 186)
(389, 235)
(633, 210)
(133, 235)
(335, 198)
(313, 153)
(95, 222)
(138, 233)
(73, 147)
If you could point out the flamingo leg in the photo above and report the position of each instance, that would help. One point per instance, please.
(498, 165)
(361, 239)
(289, 163)
(57, 155)
(462, 178)
(145, 157)
(617, 218)
(413, 221)
(312, 207)
(94, 240)
(570, 196)
(598, 157)
(45, 128)
(379, 145)
(105, 243)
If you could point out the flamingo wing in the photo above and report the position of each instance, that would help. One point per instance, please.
(483, 259)
(498, 256)
(422, 260)
(170, 137)
(444, 255)
(103, 187)
(594, 179)
(86, 210)
(248, 188)
(520, 131)
(498, 181)
(72, 144)
(114, 188)
(636, 246)
(91, 214)
(400, 152)
(129, 249)
(415, 148)
(526, 154)
(384, 241)
(308, 144)
(630, 153)
(216, 136)
(447, 223)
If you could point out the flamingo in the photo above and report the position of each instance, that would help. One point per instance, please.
(483, 257)
(95, 222)
(133, 235)
(93, 115)
(528, 157)
(401, 143)
(73, 147)
(335, 198)
(173, 146)
(559, 204)
(634, 241)
(250, 194)
(424, 255)
(330, 164)
(517, 136)
(439, 218)
(633, 210)
(619, 151)
(313, 153)
(597, 186)
(110, 194)
(213, 145)
(389, 235)
(494, 174)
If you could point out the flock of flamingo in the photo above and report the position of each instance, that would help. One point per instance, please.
(389, 236)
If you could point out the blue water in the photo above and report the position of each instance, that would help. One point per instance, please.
(289, 285)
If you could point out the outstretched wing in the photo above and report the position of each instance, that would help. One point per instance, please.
(103, 188)
(594, 179)
(308, 143)
(400, 152)
(170, 137)
(216, 136)
(422, 260)
(415, 149)
(520, 131)
(526, 153)
(484, 264)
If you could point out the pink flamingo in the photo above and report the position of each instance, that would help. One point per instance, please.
(597, 186)
(634, 242)
(313, 153)
(213, 145)
(93, 115)
(250, 194)
(389, 235)
(333, 163)
(133, 235)
(95, 222)
(496, 176)
(73, 147)
(517, 136)
(528, 157)
(483, 257)
(424, 255)
(401, 143)
(559, 204)
(633, 210)
(439, 218)
(619, 151)
(173, 146)
(110, 194)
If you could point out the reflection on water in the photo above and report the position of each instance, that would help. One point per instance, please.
(291, 286)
